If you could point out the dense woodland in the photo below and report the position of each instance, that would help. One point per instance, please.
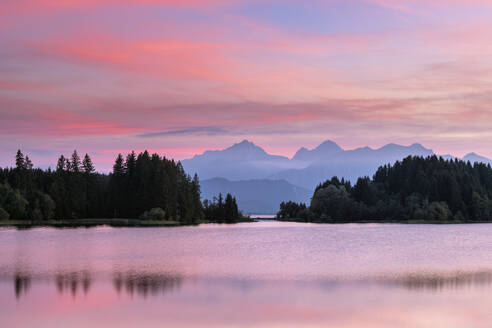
(142, 186)
(415, 189)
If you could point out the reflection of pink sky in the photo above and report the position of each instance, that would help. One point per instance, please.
(223, 305)
(287, 251)
(86, 75)
(265, 274)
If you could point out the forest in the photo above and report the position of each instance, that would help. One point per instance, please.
(143, 186)
(415, 189)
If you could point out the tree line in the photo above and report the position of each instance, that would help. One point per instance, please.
(149, 187)
(221, 210)
(415, 189)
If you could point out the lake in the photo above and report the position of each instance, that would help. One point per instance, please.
(263, 274)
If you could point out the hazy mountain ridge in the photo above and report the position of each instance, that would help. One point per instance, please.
(349, 164)
(241, 161)
(256, 196)
(473, 157)
(245, 161)
(244, 150)
(322, 152)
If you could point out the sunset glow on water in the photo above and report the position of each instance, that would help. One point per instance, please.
(265, 274)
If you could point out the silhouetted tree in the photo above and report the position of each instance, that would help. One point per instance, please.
(87, 165)
(60, 166)
(19, 160)
(143, 185)
(416, 188)
(75, 163)
(28, 164)
(219, 210)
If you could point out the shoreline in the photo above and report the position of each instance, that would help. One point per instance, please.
(386, 221)
(76, 223)
(137, 223)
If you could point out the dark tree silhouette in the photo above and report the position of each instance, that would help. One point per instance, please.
(143, 186)
(87, 165)
(222, 211)
(415, 189)
(75, 163)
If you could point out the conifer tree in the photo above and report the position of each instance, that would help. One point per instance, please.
(19, 160)
(118, 167)
(75, 163)
(60, 166)
(87, 165)
(140, 184)
(28, 163)
(131, 163)
(229, 209)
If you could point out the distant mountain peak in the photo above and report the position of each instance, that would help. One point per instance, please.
(323, 150)
(242, 160)
(391, 146)
(247, 147)
(474, 157)
(245, 142)
(414, 149)
(418, 146)
(328, 145)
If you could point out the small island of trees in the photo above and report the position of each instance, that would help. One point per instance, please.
(141, 188)
(415, 189)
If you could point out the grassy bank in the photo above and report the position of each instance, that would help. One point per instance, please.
(89, 223)
(413, 221)
(72, 223)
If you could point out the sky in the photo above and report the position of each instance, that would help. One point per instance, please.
(181, 77)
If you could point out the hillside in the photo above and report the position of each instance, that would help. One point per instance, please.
(256, 196)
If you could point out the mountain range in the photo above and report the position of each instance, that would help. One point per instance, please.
(261, 181)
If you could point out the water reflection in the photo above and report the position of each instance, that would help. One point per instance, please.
(259, 274)
(153, 284)
(146, 284)
(435, 282)
(72, 281)
(22, 283)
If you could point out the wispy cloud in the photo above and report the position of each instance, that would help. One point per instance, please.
(208, 130)
(108, 76)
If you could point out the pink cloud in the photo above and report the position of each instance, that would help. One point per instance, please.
(248, 76)
(419, 6)
(19, 7)
(164, 58)
(37, 119)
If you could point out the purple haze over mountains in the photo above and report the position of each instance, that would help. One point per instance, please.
(261, 181)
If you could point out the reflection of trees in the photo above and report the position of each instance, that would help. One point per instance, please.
(77, 282)
(72, 281)
(146, 284)
(437, 282)
(22, 283)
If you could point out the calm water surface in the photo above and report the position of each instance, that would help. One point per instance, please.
(265, 274)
